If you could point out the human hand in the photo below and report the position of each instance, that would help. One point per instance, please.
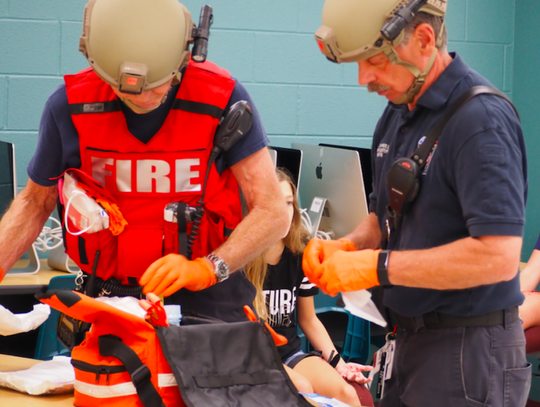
(168, 274)
(353, 372)
(318, 251)
(346, 271)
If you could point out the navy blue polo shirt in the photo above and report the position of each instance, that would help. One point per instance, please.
(475, 184)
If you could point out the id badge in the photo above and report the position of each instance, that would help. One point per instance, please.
(382, 364)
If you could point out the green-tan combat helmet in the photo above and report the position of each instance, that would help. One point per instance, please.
(355, 30)
(136, 45)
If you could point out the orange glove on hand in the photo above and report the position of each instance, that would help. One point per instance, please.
(167, 275)
(318, 251)
(348, 271)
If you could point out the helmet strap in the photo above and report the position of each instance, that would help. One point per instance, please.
(419, 76)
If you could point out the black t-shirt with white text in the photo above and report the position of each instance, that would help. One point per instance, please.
(284, 282)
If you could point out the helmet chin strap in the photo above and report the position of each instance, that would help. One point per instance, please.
(419, 76)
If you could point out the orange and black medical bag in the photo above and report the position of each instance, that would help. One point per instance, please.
(125, 361)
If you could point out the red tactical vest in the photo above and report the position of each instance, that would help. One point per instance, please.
(144, 178)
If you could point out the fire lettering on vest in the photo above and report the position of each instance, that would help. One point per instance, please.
(151, 175)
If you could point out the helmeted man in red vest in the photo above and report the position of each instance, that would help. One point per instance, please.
(139, 126)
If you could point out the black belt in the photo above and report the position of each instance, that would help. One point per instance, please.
(436, 320)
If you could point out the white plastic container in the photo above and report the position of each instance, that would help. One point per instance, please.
(174, 314)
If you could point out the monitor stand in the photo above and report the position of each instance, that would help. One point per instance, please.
(32, 267)
(315, 214)
(59, 260)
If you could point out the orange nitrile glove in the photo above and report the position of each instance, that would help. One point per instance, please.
(348, 271)
(318, 251)
(1, 274)
(167, 275)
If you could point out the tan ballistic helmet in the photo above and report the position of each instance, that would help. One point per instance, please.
(351, 31)
(136, 45)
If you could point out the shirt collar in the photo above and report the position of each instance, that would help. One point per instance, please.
(440, 91)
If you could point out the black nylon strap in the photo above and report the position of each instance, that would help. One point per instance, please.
(110, 345)
(421, 154)
(198, 107)
(215, 381)
(435, 320)
(98, 107)
(182, 229)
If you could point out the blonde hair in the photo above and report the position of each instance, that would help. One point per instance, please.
(295, 241)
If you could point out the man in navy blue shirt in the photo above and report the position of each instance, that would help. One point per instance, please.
(141, 121)
(450, 260)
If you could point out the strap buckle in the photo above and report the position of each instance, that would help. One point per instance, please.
(141, 375)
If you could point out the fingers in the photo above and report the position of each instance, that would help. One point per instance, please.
(165, 277)
(312, 256)
(161, 274)
(148, 274)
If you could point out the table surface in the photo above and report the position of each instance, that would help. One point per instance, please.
(29, 283)
(11, 398)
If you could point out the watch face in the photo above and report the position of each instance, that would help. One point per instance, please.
(221, 267)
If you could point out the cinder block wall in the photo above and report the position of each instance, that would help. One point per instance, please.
(267, 44)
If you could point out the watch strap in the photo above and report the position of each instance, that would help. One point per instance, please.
(382, 268)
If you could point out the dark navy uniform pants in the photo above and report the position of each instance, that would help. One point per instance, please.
(459, 367)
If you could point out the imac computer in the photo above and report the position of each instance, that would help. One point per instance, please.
(8, 191)
(332, 188)
(288, 158)
(365, 163)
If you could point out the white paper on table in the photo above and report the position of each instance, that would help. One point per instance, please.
(11, 323)
(51, 377)
(359, 303)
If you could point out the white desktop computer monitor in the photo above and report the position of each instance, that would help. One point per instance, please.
(331, 188)
(8, 191)
(365, 163)
(288, 158)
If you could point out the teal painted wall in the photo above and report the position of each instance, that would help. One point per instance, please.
(526, 91)
(269, 46)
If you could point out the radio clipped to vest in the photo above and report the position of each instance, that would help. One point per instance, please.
(403, 179)
(231, 128)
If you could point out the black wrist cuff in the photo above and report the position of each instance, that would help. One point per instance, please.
(382, 268)
(334, 359)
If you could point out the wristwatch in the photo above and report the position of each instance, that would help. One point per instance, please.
(221, 268)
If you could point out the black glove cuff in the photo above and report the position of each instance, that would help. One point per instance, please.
(382, 268)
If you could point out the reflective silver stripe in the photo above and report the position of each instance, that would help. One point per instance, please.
(119, 390)
(166, 380)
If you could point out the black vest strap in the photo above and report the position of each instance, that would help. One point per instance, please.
(98, 107)
(110, 345)
(198, 107)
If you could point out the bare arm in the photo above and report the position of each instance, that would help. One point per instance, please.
(23, 221)
(312, 327)
(530, 275)
(465, 263)
(266, 221)
(367, 234)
